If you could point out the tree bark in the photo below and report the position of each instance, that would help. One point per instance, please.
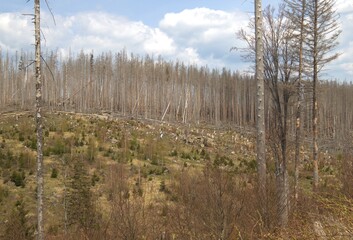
(315, 103)
(298, 133)
(300, 92)
(39, 125)
(260, 105)
(321, 40)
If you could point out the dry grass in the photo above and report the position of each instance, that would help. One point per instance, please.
(152, 154)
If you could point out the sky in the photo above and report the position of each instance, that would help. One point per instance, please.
(198, 32)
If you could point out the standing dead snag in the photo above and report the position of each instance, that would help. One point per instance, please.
(39, 124)
(279, 63)
(296, 11)
(320, 41)
(260, 105)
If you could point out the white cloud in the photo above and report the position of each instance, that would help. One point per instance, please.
(344, 6)
(203, 18)
(342, 68)
(189, 55)
(96, 31)
(196, 36)
(198, 25)
(159, 43)
(200, 36)
(104, 32)
(208, 33)
(15, 31)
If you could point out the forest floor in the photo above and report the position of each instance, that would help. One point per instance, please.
(152, 153)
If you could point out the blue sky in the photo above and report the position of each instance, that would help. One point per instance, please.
(193, 31)
(150, 11)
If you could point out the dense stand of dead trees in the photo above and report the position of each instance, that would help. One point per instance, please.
(152, 88)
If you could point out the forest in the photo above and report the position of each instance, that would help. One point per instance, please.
(144, 87)
(122, 146)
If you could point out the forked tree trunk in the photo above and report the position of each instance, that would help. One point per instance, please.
(38, 119)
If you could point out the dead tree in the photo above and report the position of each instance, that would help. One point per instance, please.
(296, 11)
(320, 41)
(260, 105)
(39, 124)
(279, 62)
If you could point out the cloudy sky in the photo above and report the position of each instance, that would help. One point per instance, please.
(193, 31)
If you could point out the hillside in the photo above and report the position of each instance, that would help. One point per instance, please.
(109, 177)
(143, 86)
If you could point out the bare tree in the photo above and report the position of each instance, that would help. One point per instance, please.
(279, 62)
(321, 40)
(128, 211)
(210, 205)
(39, 125)
(260, 106)
(296, 12)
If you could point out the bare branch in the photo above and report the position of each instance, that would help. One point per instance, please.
(51, 12)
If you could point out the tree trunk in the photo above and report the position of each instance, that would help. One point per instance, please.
(38, 119)
(283, 201)
(282, 196)
(315, 103)
(298, 130)
(300, 92)
(260, 105)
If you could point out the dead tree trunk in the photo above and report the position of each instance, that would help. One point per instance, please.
(260, 104)
(321, 40)
(315, 103)
(296, 12)
(39, 125)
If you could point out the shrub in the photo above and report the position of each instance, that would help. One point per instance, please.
(163, 187)
(223, 161)
(154, 161)
(59, 147)
(18, 178)
(21, 138)
(31, 143)
(91, 150)
(18, 226)
(26, 160)
(7, 159)
(95, 178)
(173, 153)
(134, 145)
(4, 193)
(346, 174)
(81, 206)
(185, 155)
(54, 173)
